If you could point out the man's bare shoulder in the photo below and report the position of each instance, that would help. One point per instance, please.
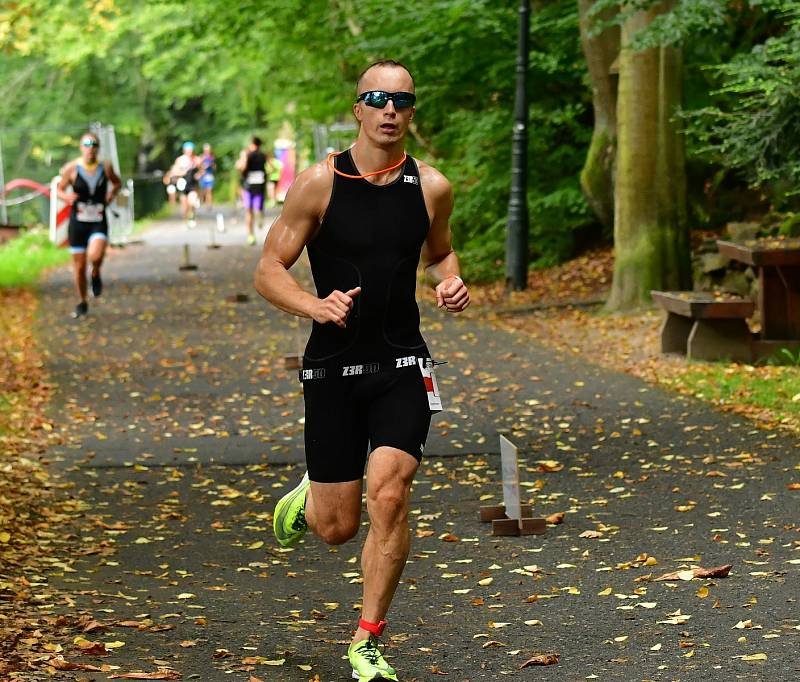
(434, 183)
(318, 177)
(311, 189)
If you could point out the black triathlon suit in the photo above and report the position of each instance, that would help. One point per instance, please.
(254, 177)
(362, 385)
(88, 215)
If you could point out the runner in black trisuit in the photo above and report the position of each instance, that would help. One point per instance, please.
(252, 165)
(366, 217)
(88, 225)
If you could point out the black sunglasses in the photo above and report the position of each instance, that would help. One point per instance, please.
(379, 99)
(89, 143)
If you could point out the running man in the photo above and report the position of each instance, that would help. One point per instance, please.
(185, 171)
(208, 170)
(366, 216)
(252, 164)
(88, 225)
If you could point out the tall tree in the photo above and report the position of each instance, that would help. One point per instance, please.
(601, 50)
(651, 240)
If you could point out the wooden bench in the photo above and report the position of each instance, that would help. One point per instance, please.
(705, 326)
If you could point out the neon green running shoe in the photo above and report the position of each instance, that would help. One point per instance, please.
(368, 662)
(289, 522)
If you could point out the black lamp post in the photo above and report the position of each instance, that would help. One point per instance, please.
(517, 233)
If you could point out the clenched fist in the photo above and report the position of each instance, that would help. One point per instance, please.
(335, 307)
(452, 294)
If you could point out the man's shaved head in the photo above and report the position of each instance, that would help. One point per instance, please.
(383, 63)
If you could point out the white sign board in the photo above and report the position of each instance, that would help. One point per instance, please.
(510, 467)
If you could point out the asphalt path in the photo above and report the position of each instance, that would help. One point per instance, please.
(183, 427)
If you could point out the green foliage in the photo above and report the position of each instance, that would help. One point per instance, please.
(789, 358)
(755, 126)
(22, 260)
(465, 117)
(790, 225)
(166, 70)
(741, 109)
(163, 71)
(686, 19)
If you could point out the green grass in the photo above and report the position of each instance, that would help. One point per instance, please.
(776, 389)
(22, 260)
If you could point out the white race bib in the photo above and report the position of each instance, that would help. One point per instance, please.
(431, 386)
(90, 213)
(256, 178)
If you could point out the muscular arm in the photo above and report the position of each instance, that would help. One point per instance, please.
(116, 182)
(171, 173)
(438, 258)
(302, 213)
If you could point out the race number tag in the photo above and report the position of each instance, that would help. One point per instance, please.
(256, 178)
(431, 386)
(89, 213)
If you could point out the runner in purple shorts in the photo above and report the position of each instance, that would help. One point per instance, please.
(253, 201)
(252, 165)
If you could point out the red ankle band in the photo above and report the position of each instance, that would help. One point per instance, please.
(375, 628)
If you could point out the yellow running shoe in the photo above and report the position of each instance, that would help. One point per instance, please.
(289, 521)
(368, 662)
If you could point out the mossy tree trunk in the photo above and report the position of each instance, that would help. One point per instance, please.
(597, 176)
(651, 242)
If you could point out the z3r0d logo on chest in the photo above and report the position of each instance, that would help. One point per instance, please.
(408, 361)
(356, 370)
(411, 179)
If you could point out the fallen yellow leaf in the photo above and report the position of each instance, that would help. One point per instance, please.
(754, 657)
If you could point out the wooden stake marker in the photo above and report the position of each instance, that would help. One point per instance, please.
(187, 264)
(511, 517)
(212, 240)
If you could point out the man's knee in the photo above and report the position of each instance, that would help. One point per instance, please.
(388, 503)
(336, 531)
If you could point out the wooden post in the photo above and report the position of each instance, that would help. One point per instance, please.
(187, 264)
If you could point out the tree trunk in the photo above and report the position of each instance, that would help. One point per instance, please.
(651, 241)
(597, 176)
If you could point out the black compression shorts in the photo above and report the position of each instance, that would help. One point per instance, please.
(80, 234)
(346, 415)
